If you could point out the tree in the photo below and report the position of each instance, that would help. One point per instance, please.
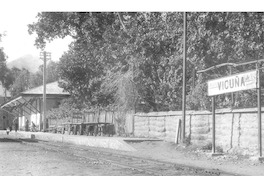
(147, 45)
(216, 38)
(21, 82)
(6, 77)
(36, 79)
(52, 72)
(146, 48)
(3, 67)
(9, 79)
(81, 67)
(81, 73)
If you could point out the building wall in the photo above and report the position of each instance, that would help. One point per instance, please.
(2, 113)
(236, 131)
(4, 123)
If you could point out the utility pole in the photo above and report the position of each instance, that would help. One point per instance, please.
(184, 76)
(259, 111)
(44, 56)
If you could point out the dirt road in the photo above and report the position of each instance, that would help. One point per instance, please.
(29, 157)
(18, 159)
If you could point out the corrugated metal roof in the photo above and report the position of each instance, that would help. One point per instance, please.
(51, 89)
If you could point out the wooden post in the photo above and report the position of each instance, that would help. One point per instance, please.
(133, 124)
(232, 94)
(44, 91)
(40, 115)
(98, 118)
(213, 124)
(259, 112)
(178, 133)
(105, 115)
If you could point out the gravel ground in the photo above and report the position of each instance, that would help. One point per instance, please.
(193, 156)
(20, 159)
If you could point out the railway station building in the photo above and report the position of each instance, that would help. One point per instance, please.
(28, 105)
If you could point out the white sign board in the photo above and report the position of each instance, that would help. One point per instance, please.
(233, 83)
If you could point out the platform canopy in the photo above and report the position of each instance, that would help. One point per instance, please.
(27, 98)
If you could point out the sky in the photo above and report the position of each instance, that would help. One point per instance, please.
(18, 42)
(15, 15)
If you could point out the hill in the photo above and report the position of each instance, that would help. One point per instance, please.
(29, 62)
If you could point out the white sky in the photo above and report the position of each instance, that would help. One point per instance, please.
(15, 15)
(18, 42)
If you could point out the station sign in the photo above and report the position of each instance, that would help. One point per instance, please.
(233, 83)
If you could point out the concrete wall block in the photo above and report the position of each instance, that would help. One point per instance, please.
(139, 127)
(170, 118)
(157, 129)
(249, 117)
(200, 142)
(223, 134)
(199, 137)
(169, 139)
(223, 128)
(141, 134)
(248, 141)
(170, 133)
(156, 134)
(200, 130)
(249, 126)
(249, 131)
(141, 119)
(170, 127)
(157, 123)
(234, 128)
(203, 117)
(200, 124)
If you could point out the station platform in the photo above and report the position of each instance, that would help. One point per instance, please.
(116, 143)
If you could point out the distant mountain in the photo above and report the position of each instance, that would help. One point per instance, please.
(29, 62)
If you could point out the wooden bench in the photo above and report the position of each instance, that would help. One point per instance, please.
(90, 128)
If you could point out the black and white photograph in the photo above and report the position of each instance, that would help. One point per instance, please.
(131, 88)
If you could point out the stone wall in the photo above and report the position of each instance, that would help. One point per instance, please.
(236, 130)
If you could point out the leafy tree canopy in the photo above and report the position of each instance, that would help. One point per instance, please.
(21, 82)
(143, 51)
(5, 74)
